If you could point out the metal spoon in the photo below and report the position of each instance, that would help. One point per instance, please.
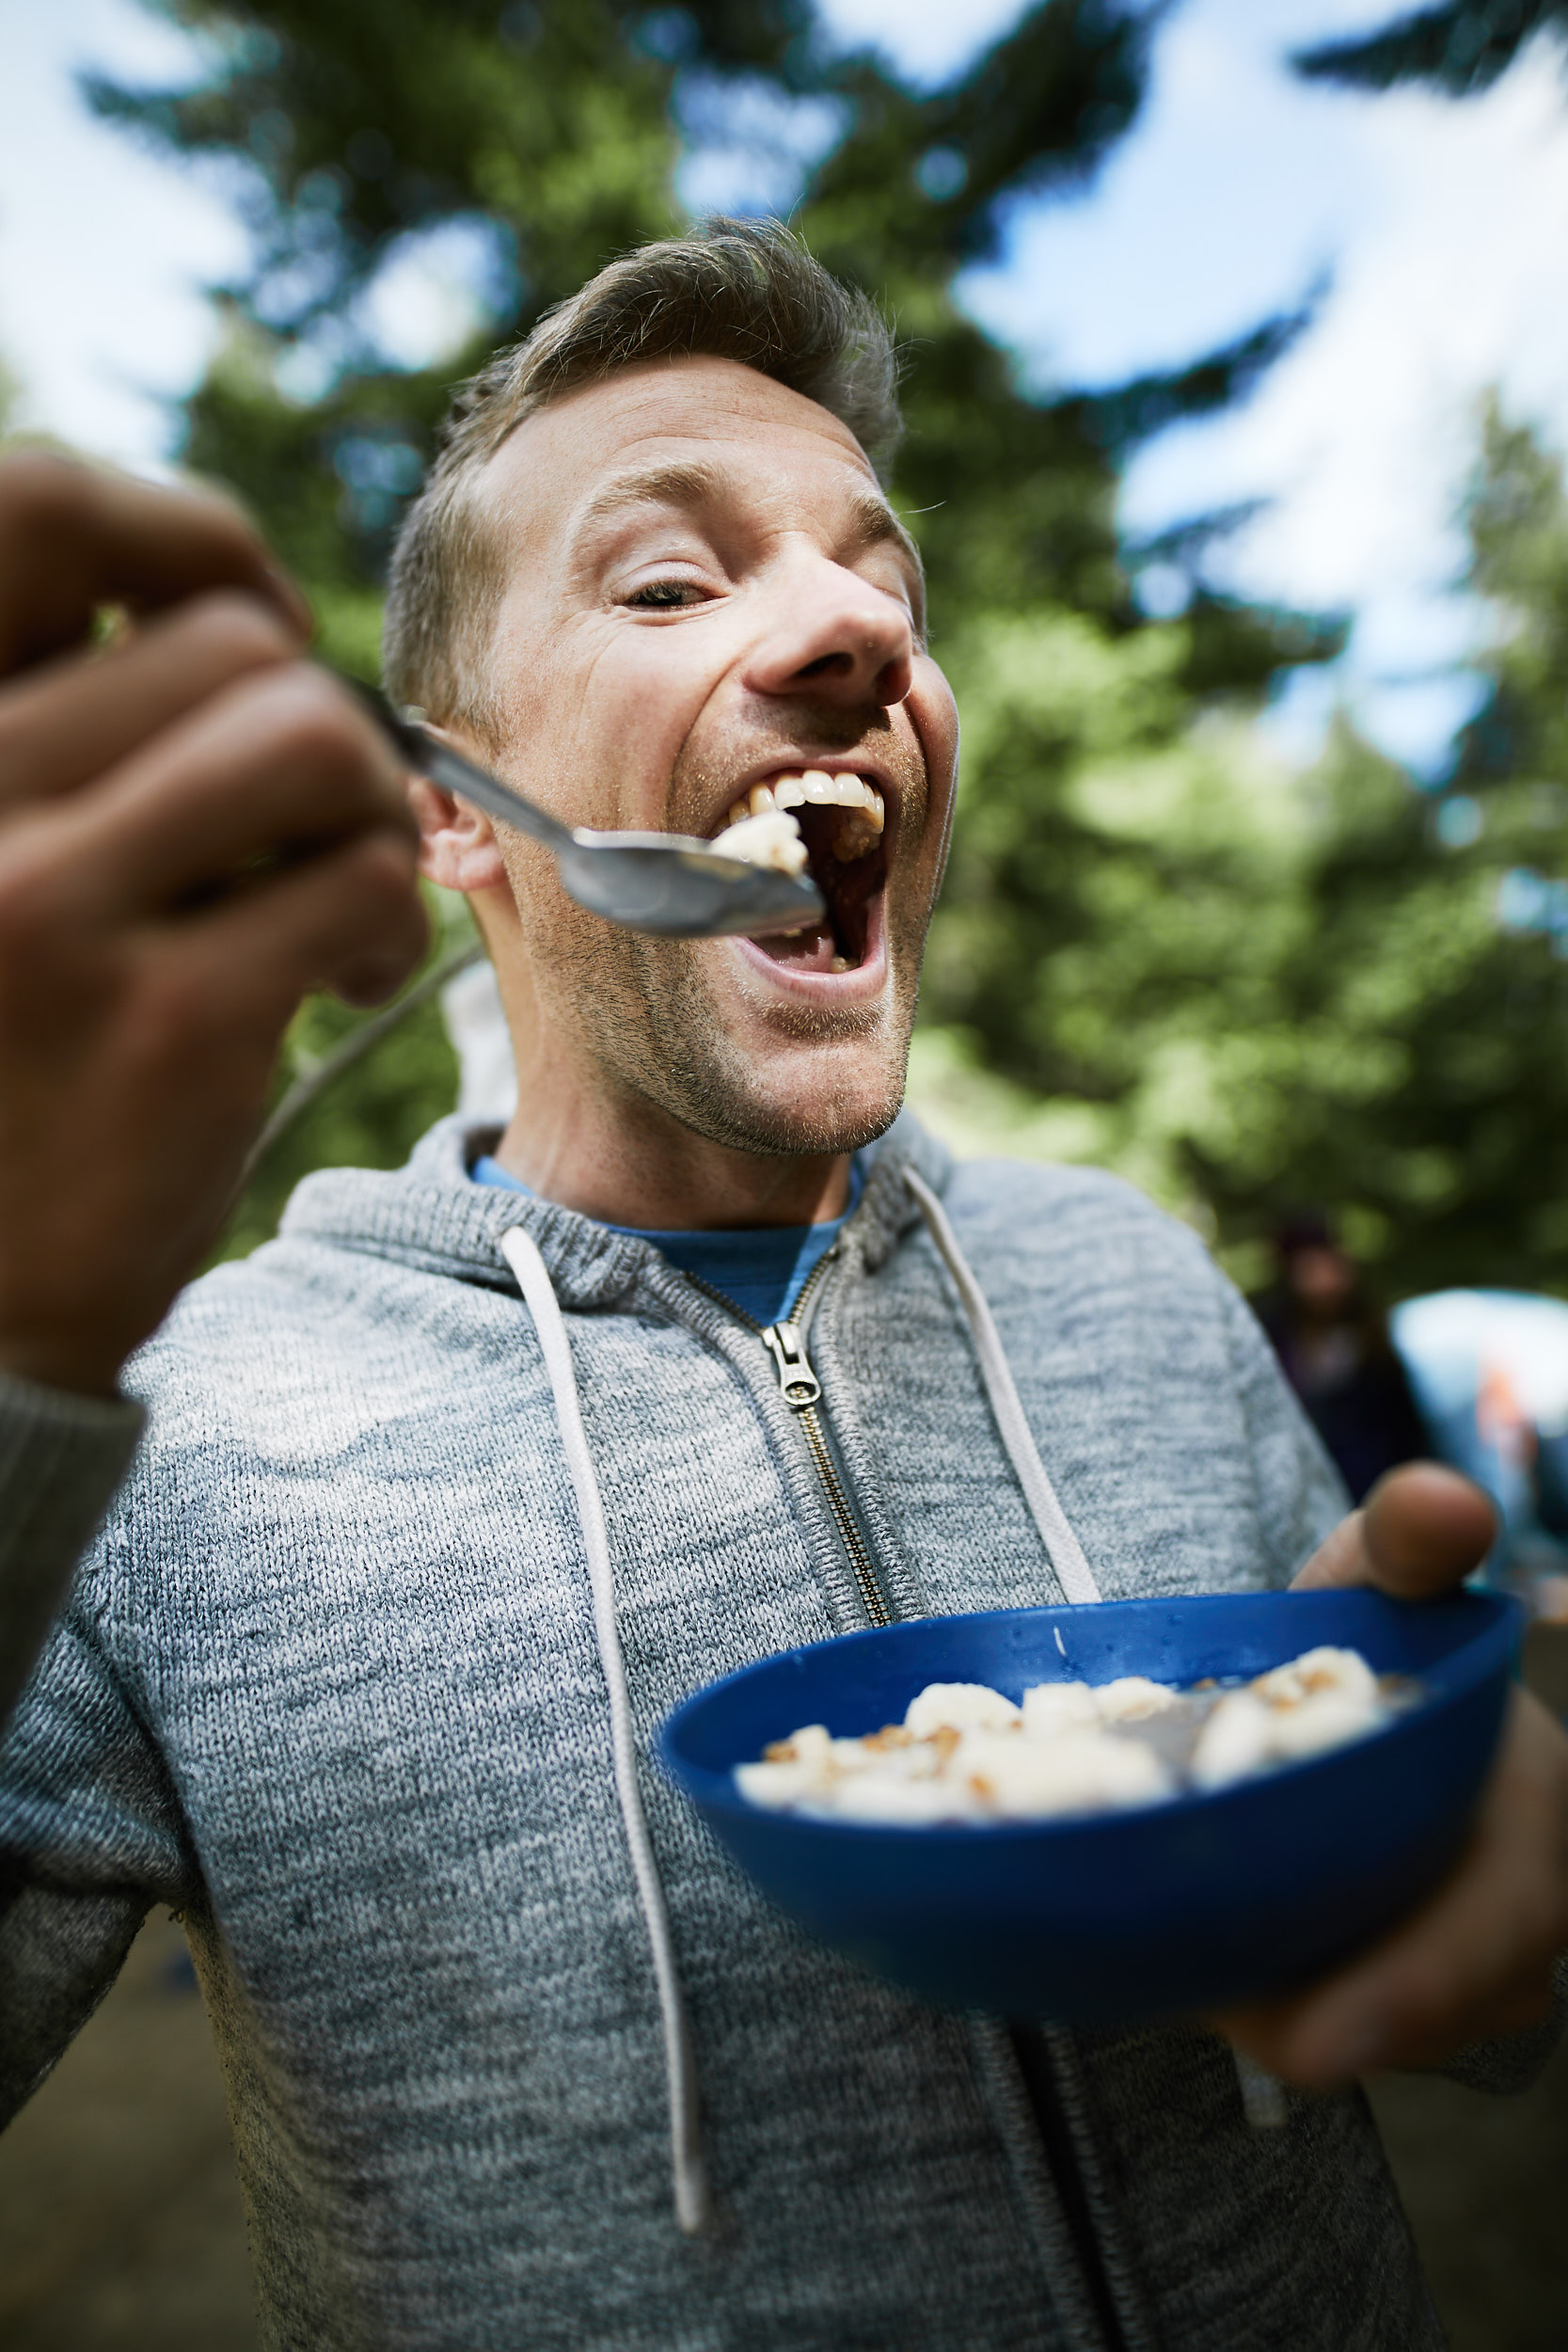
(649, 881)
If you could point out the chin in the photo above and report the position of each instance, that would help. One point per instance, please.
(802, 1098)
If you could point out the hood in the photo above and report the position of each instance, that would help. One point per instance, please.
(430, 1213)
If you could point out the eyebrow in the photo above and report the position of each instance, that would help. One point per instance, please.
(692, 481)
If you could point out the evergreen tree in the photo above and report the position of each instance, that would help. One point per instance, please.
(1460, 46)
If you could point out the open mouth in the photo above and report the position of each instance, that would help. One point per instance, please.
(839, 822)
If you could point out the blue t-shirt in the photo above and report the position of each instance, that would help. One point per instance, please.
(763, 1271)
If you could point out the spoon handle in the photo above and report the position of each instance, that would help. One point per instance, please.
(424, 750)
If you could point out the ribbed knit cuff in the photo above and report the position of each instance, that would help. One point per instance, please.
(61, 1458)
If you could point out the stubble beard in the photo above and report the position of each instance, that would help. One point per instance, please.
(646, 1013)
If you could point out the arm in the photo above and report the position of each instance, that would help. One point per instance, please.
(195, 829)
(61, 1458)
(91, 1836)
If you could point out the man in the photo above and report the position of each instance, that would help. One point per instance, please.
(361, 1675)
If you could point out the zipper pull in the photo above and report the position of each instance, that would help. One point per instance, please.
(799, 1384)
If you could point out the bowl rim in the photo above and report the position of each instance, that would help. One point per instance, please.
(1494, 1643)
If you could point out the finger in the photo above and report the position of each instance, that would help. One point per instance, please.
(352, 920)
(281, 764)
(1479, 1951)
(1421, 1530)
(73, 537)
(72, 718)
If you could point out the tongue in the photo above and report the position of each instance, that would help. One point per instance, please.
(811, 950)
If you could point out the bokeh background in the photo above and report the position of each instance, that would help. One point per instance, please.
(1237, 387)
(1238, 378)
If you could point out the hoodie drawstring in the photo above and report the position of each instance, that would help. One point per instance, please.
(1262, 2095)
(1062, 1548)
(694, 2202)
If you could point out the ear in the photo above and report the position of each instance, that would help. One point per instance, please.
(457, 848)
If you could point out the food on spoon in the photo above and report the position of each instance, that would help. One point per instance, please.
(770, 838)
(966, 1752)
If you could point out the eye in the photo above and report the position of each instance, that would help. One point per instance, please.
(666, 595)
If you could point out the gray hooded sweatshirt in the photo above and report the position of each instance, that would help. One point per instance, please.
(360, 1677)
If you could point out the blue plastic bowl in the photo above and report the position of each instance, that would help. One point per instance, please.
(1237, 1894)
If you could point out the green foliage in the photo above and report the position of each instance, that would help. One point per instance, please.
(1249, 991)
(1459, 46)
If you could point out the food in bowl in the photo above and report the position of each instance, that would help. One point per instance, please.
(966, 1752)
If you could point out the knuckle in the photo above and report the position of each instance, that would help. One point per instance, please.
(28, 889)
(42, 492)
(376, 887)
(229, 630)
(310, 721)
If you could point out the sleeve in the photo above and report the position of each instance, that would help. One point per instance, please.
(91, 1834)
(1300, 1496)
(61, 1459)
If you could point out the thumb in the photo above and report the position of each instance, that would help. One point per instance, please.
(1421, 1532)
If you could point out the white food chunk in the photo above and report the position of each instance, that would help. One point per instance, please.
(812, 1744)
(1079, 1771)
(775, 1785)
(1345, 1672)
(1329, 1719)
(1132, 1698)
(1053, 1706)
(869, 1797)
(771, 839)
(957, 1706)
(1237, 1740)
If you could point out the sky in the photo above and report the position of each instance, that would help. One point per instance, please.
(1436, 236)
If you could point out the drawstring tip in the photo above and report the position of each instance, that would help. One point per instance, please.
(693, 2197)
(1262, 2094)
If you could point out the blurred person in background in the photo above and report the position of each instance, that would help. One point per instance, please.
(1489, 1369)
(1334, 1344)
(360, 1673)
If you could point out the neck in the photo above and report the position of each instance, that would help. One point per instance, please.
(656, 1175)
(611, 1154)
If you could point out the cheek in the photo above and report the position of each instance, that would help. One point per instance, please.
(934, 716)
(599, 726)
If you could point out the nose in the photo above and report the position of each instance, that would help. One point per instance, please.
(833, 638)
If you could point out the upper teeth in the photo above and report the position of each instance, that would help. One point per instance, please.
(814, 788)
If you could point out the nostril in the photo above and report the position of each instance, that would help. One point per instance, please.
(827, 665)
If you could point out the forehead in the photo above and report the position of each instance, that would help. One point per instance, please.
(707, 422)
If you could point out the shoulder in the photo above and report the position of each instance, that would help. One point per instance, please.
(225, 1328)
(295, 1353)
(1042, 1215)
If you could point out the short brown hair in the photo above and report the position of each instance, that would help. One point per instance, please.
(737, 289)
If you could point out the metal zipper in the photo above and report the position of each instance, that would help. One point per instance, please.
(801, 1391)
(785, 1342)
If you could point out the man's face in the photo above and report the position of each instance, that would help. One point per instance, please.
(708, 594)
